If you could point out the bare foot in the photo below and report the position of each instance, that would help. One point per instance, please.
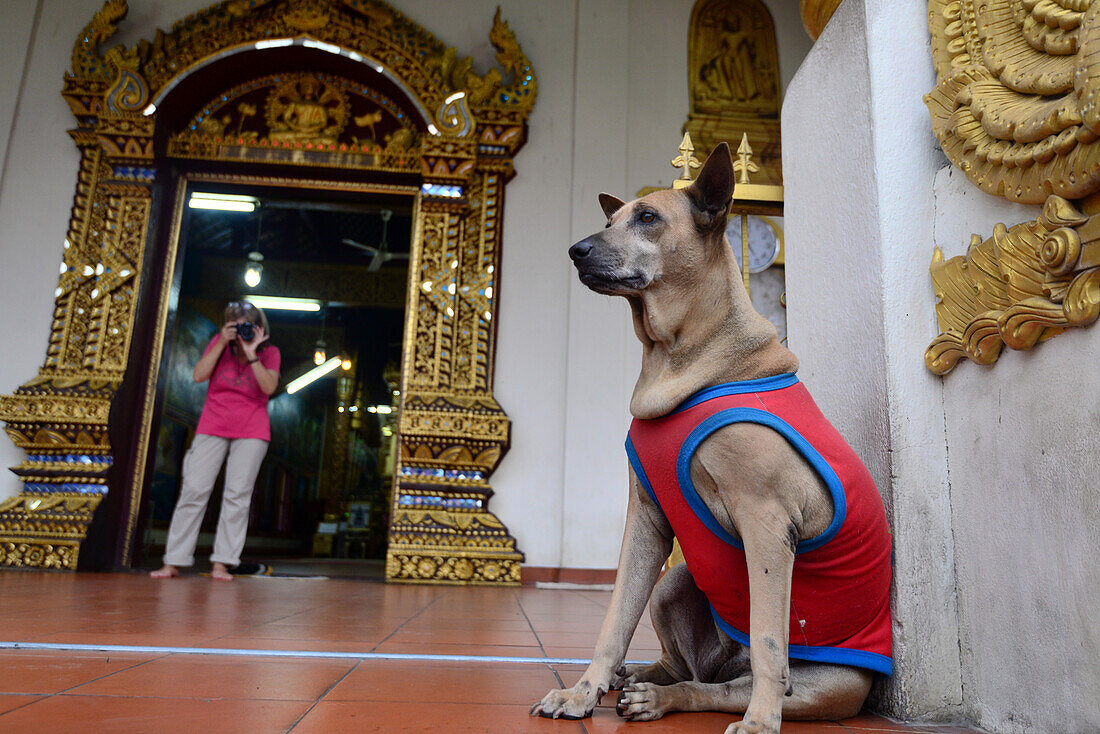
(165, 572)
(220, 573)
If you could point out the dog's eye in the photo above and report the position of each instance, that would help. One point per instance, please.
(647, 217)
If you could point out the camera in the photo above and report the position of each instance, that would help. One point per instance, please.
(246, 331)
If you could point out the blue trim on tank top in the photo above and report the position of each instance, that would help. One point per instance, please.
(813, 653)
(723, 418)
(639, 471)
(760, 384)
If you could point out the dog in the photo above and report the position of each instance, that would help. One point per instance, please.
(782, 607)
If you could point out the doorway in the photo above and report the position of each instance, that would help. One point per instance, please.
(330, 272)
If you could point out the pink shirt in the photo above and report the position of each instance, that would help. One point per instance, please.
(235, 405)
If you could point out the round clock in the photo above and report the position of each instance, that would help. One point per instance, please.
(763, 241)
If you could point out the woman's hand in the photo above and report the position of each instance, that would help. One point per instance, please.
(249, 348)
(267, 379)
(228, 333)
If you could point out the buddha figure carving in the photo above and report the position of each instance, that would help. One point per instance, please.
(729, 74)
(304, 110)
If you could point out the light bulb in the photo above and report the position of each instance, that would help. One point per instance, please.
(252, 274)
(346, 365)
(319, 356)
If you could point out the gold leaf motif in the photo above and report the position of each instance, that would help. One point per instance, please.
(443, 518)
(1082, 303)
(1002, 107)
(489, 520)
(1023, 285)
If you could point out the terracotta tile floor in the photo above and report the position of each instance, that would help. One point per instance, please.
(355, 689)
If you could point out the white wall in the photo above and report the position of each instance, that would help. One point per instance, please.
(859, 159)
(20, 306)
(989, 473)
(1023, 465)
(612, 99)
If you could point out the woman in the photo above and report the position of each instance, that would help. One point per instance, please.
(243, 370)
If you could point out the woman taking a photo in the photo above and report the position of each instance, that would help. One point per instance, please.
(243, 370)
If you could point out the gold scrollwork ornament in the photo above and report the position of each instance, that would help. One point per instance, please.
(1014, 109)
(1025, 284)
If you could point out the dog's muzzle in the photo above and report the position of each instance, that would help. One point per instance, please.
(599, 275)
(580, 251)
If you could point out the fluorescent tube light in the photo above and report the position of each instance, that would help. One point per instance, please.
(314, 374)
(284, 304)
(223, 202)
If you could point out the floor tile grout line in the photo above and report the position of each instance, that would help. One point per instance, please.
(402, 625)
(550, 664)
(41, 696)
(542, 649)
(206, 699)
(322, 697)
(44, 696)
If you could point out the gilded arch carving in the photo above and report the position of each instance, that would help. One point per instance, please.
(452, 431)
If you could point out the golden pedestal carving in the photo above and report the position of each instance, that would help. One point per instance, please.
(452, 433)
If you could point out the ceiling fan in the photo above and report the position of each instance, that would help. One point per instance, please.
(380, 254)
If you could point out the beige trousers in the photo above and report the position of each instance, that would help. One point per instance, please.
(200, 470)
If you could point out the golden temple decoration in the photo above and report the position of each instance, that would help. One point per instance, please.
(733, 77)
(308, 120)
(86, 61)
(1013, 109)
(1013, 105)
(816, 15)
(449, 142)
(1023, 285)
(744, 165)
(306, 109)
(686, 162)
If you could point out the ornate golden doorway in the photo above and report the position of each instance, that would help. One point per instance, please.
(353, 95)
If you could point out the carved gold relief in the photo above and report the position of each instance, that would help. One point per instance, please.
(453, 433)
(1013, 110)
(1023, 285)
(733, 77)
(1012, 105)
(342, 124)
(816, 15)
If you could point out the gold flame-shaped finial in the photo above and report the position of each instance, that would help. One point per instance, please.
(685, 161)
(744, 163)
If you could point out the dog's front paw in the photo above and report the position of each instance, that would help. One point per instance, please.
(751, 726)
(572, 703)
(643, 702)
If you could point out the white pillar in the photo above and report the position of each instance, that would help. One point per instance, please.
(859, 161)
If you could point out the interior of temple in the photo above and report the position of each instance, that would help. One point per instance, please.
(331, 278)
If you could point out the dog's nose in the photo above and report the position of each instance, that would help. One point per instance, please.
(580, 250)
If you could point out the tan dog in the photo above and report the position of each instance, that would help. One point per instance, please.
(667, 254)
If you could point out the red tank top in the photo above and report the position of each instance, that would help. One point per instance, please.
(840, 588)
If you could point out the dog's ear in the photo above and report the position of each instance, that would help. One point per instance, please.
(611, 204)
(712, 189)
